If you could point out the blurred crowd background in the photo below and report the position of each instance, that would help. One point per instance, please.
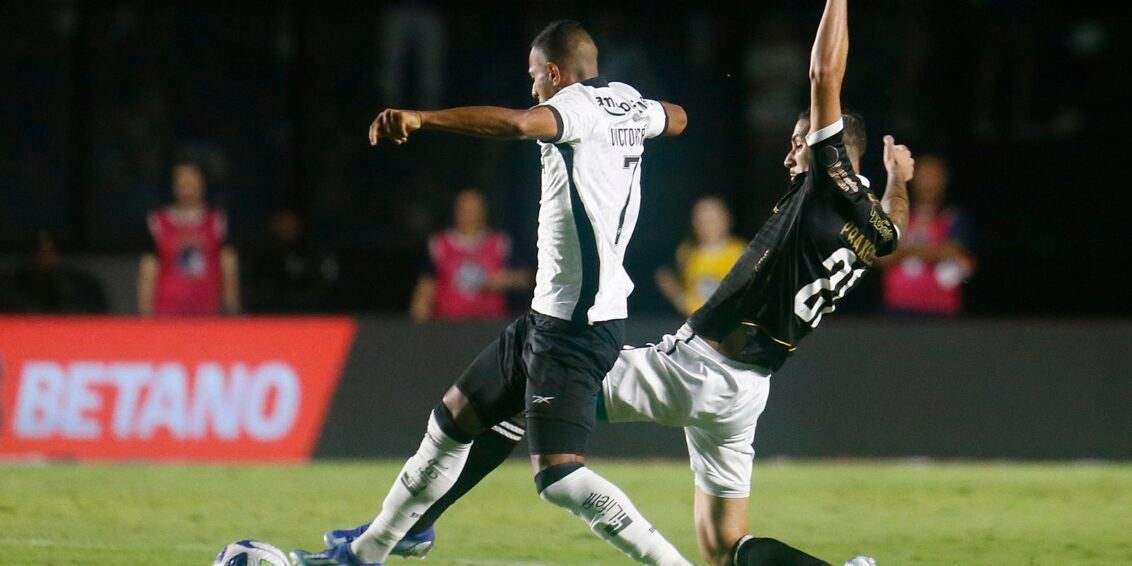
(250, 119)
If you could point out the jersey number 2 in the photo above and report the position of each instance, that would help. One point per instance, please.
(810, 302)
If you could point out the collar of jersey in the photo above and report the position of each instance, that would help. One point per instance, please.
(596, 82)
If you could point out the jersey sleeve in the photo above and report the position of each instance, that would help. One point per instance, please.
(656, 118)
(832, 171)
(574, 112)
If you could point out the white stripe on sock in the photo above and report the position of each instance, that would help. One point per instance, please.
(506, 433)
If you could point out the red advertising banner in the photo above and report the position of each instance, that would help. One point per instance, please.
(177, 389)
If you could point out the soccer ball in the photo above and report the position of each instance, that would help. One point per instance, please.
(251, 553)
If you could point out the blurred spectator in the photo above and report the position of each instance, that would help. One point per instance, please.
(291, 275)
(466, 275)
(932, 261)
(47, 284)
(702, 261)
(192, 271)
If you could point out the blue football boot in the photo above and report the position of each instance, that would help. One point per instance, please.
(339, 555)
(412, 546)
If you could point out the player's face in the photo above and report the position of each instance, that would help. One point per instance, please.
(797, 159)
(188, 185)
(543, 76)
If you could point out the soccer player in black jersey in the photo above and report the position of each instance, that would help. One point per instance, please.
(712, 377)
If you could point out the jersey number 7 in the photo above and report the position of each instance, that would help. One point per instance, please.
(635, 161)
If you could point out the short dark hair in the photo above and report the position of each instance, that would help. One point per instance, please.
(559, 41)
(855, 135)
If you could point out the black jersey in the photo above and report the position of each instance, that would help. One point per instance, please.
(824, 234)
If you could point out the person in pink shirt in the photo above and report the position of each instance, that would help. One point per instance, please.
(926, 273)
(467, 274)
(191, 270)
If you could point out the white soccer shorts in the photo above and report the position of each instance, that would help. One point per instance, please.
(682, 381)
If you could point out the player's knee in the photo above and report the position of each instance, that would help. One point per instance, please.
(445, 421)
(717, 545)
(721, 548)
(550, 475)
(465, 417)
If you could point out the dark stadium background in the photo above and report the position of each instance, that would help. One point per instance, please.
(1000, 436)
(275, 97)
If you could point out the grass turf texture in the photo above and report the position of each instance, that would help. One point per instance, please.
(899, 512)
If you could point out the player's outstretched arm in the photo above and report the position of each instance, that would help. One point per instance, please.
(827, 65)
(481, 121)
(901, 167)
(677, 119)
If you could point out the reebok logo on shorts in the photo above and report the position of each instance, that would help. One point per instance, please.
(540, 399)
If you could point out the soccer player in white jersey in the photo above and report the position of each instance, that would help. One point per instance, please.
(712, 377)
(549, 364)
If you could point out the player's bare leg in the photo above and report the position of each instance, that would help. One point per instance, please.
(720, 523)
(721, 529)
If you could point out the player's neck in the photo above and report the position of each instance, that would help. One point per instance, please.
(586, 74)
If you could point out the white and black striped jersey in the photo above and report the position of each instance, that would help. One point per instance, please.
(591, 195)
(824, 234)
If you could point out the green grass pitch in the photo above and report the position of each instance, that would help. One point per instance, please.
(899, 512)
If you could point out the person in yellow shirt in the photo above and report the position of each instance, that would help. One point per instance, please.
(702, 260)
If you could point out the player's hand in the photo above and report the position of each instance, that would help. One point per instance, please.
(394, 125)
(898, 160)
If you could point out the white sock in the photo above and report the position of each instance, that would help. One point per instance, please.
(612, 517)
(425, 478)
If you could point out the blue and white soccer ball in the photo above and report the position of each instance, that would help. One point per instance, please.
(251, 553)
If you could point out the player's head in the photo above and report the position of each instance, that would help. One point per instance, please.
(798, 158)
(470, 211)
(929, 188)
(711, 221)
(562, 54)
(188, 183)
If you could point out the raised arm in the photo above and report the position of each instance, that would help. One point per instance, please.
(901, 167)
(827, 65)
(481, 121)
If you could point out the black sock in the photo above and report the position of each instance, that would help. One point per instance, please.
(770, 552)
(489, 450)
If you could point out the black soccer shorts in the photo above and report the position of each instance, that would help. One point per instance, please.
(551, 370)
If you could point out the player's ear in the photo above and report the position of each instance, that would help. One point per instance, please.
(554, 73)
